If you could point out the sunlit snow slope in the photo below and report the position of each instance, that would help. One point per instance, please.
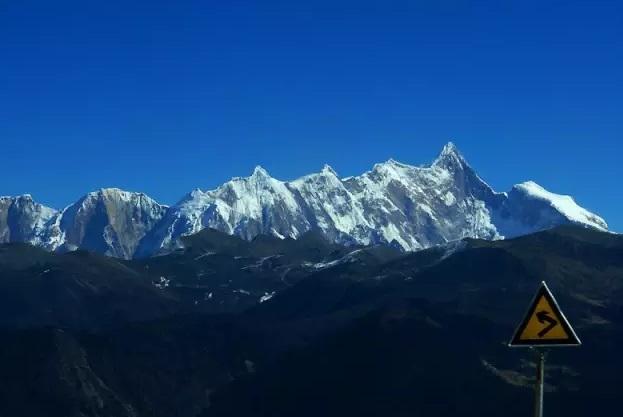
(411, 207)
(406, 206)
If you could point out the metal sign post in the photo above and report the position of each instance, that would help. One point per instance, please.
(544, 325)
(539, 384)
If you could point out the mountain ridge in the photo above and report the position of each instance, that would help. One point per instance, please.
(411, 207)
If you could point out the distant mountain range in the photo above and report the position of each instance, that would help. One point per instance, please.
(405, 206)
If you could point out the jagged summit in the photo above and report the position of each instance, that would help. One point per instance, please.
(327, 169)
(109, 190)
(412, 206)
(395, 203)
(115, 193)
(260, 172)
(389, 167)
(392, 161)
(450, 149)
(450, 156)
(21, 197)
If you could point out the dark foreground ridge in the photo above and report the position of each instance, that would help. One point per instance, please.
(234, 328)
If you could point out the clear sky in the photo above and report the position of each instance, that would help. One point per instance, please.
(166, 96)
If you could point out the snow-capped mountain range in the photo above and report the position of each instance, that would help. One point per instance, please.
(403, 205)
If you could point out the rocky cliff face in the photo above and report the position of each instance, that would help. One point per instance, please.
(108, 221)
(406, 206)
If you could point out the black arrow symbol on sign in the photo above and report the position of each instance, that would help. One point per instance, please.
(543, 316)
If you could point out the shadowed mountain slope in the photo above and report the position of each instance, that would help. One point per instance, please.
(418, 334)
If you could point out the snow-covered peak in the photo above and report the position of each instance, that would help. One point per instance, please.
(450, 149)
(450, 156)
(564, 204)
(110, 191)
(27, 201)
(391, 169)
(260, 172)
(197, 192)
(22, 197)
(327, 173)
(23, 220)
(390, 164)
(113, 195)
(328, 170)
(109, 220)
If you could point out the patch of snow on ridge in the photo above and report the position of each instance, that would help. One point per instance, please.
(348, 258)
(203, 255)
(564, 204)
(277, 234)
(162, 283)
(267, 296)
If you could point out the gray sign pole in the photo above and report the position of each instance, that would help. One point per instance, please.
(539, 384)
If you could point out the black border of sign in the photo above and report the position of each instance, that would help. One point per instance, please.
(572, 340)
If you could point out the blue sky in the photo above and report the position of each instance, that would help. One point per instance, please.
(164, 97)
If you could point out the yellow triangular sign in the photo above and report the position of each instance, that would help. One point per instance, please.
(544, 324)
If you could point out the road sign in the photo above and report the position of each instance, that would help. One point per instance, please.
(544, 324)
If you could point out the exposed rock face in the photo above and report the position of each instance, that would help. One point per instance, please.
(407, 206)
(23, 220)
(109, 221)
